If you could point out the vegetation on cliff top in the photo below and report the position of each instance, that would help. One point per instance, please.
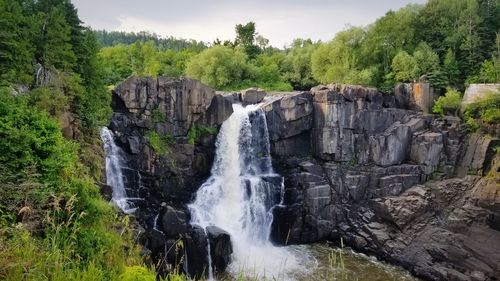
(447, 42)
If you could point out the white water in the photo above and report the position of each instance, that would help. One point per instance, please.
(114, 177)
(237, 199)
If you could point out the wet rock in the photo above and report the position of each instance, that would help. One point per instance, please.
(174, 222)
(220, 247)
(196, 252)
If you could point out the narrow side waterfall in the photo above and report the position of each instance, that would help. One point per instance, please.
(114, 177)
(240, 194)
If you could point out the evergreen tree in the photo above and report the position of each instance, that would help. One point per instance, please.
(16, 52)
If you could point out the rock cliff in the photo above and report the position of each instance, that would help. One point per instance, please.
(371, 168)
(390, 181)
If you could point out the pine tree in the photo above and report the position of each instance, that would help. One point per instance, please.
(16, 52)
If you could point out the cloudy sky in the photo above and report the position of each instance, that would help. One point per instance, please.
(278, 20)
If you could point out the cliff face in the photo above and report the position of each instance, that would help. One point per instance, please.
(169, 108)
(390, 181)
(357, 164)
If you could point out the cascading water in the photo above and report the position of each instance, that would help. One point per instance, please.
(114, 176)
(240, 193)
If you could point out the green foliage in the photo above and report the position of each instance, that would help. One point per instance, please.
(451, 68)
(427, 60)
(448, 104)
(296, 66)
(158, 116)
(196, 132)
(55, 47)
(246, 37)
(16, 52)
(52, 101)
(339, 60)
(404, 67)
(160, 143)
(220, 67)
(55, 225)
(31, 140)
(113, 38)
(137, 273)
(483, 112)
(488, 73)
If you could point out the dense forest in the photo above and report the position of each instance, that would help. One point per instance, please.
(55, 76)
(446, 42)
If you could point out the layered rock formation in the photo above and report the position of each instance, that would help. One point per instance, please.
(377, 177)
(358, 164)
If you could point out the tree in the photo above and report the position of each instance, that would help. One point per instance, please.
(220, 67)
(16, 51)
(338, 60)
(451, 69)
(116, 63)
(55, 43)
(427, 60)
(297, 64)
(404, 67)
(245, 37)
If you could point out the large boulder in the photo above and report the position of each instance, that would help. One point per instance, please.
(174, 222)
(220, 248)
(252, 96)
(196, 244)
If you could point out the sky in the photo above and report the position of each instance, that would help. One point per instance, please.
(280, 21)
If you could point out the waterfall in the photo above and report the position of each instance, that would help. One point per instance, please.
(114, 177)
(240, 194)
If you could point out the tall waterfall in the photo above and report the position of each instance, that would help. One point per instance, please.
(114, 177)
(240, 193)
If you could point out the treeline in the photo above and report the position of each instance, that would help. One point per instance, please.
(445, 42)
(112, 38)
(54, 223)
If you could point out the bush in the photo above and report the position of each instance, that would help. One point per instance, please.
(486, 110)
(448, 104)
(195, 132)
(54, 223)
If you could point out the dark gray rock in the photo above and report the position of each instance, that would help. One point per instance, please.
(220, 247)
(196, 252)
(174, 222)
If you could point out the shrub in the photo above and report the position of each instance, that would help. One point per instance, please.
(157, 116)
(486, 110)
(195, 132)
(160, 143)
(448, 104)
(54, 225)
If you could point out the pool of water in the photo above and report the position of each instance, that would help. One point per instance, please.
(323, 262)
